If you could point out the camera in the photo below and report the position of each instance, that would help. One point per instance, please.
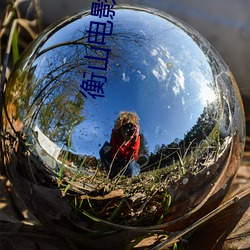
(128, 129)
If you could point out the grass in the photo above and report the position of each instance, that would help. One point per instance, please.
(140, 195)
(139, 201)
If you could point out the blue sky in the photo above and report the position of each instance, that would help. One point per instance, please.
(156, 70)
(168, 87)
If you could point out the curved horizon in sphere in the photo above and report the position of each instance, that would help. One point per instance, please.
(71, 85)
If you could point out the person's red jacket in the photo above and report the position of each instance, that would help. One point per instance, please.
(126, 151)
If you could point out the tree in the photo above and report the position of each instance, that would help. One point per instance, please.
(57, 117)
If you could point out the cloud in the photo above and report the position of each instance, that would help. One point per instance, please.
(124, 78)
(179, 82)
(142, 76)
(183, 101)
(154, 52)
(161, 70)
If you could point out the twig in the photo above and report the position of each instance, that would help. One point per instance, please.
(5, 64)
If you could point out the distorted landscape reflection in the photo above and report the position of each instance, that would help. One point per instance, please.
(169, 109)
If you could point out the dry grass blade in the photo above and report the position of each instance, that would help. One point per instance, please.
(171, 241)
(13, 17)
(28, 25)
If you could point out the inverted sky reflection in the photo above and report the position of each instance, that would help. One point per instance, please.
(156, 70)
(168, 86)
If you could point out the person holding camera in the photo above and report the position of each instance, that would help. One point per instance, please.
(119, 156)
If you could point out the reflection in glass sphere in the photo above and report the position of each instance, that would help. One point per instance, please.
(121, 124)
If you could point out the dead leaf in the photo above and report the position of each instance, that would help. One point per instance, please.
(111, 195)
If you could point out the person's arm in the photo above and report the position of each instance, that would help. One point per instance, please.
(134, 142)
(115, 143)
(137, 146)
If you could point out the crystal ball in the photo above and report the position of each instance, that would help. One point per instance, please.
(121, 124)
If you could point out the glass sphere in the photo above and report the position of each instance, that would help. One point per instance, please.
(121, 124)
